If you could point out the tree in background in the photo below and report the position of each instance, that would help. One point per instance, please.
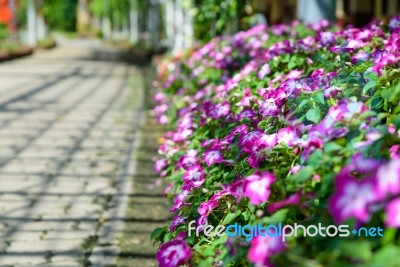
(218, 17)
(60, 14)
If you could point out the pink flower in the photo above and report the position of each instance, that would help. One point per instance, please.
(325, 38)
(292, 200)
(257, 186)
(247, 113)
(173, 253)
(264, 71)
(263, 247)
(188, 160)
(211, 157)
(360, 56)
(206, 207)
(247, 141)
(352, 198)
(394, 24)
(393, 213)
(287, 136)
(194, 176)
(267, 140)
(159, 165)
(395, 152)
(217, 111)
(269, 108)
(177, 220)
(388, 178)
(179, 200)
(159, 97)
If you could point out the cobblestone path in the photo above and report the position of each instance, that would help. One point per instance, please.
(67, 126)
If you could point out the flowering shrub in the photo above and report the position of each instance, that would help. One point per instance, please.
(287, 124)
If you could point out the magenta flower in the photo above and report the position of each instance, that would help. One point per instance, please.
(325, 38)
(352, 198)
(263, 247)
(393, 213)
(194, 176)
(292, 200)
(217, 111)
(257, 186)
(288, 136)
(247, 141)
(264, 71)
(159, 165)
(388, 179)
(206, 207)
(247, 113)
(211, 157)
(189, 160)
(394, 24)
(269, 108)
(179, 199)
(395, 152)
(177, 220)
(173, 253)
(267, 140)
(359, 56)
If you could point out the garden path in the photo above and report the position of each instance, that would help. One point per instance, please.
(68, 121)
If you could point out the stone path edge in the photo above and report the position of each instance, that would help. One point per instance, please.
(108, 235)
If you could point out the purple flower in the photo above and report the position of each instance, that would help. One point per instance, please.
(352, 198)
(388, 178)
(394, 24)
(159, 97)
(264, 71)
(269, 108)
(263, 247)
(287, 136)
(257, 186)
(247, 113)
(359, 56)
(267, 140)
(173, 253)
(292, 200)
(393, 213)
(325, 38)
(179, 200)
(177, 220)
(159, 165)
(217, 111)
(248, 141)
(194, 176)
(212, 156)
(188, 160)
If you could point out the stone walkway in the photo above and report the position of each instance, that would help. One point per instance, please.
(67, 129)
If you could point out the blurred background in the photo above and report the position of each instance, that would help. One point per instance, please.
(158, 25)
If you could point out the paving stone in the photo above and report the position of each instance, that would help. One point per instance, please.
(62, 146)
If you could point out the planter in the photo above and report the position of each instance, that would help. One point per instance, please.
(25, 51)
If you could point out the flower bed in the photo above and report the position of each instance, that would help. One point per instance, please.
(287, 124)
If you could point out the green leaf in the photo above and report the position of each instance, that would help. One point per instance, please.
(303, 175)
(388, 255)
(319, 97)
(292, 64)
(360, 250)
(386, 93)
(371, 84)
(230, 217)
(313, 115)
(159, 233)
(277, 217)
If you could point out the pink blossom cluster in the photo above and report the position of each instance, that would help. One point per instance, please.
(270, 119)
